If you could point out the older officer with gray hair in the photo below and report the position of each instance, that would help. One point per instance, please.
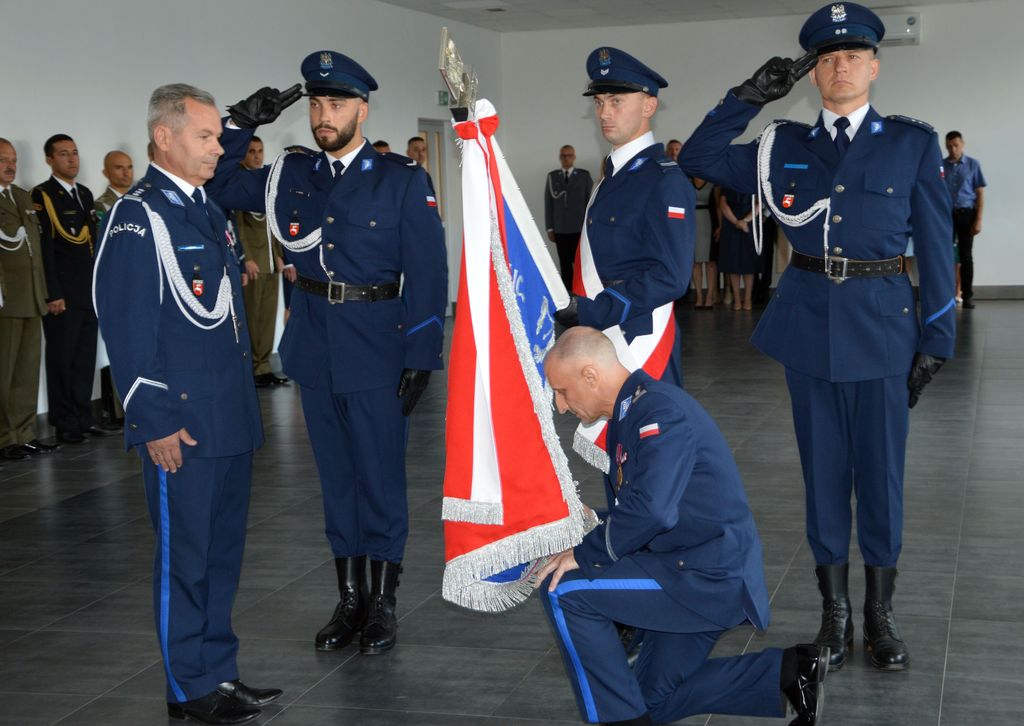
(166, 290)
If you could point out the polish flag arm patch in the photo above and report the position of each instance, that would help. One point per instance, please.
(431, 201)
(677, 212)
(649, 430)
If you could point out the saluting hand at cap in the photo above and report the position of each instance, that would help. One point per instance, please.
(774, 79)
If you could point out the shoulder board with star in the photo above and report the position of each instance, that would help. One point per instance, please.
(790, 122)
(916, 123)
(304, 150)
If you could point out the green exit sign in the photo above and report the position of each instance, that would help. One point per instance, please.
(442, 98)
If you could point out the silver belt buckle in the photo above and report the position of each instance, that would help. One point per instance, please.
(834, 263)
(331, 297)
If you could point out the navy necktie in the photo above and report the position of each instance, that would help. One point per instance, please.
(609, 167)
(842, 141)
(339, 167)
(74, 195)
(565, 177)
(197, 197)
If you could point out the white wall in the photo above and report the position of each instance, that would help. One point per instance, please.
(952, 80)
(87, 69)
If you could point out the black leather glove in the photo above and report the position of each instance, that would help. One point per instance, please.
(925, 366)
(411, 386)
(774, 79)
(264, 106)
(569, 316)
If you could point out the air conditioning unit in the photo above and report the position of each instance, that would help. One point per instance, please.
(901, 29)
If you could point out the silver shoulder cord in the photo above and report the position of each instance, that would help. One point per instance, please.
(17, 240)
(764, 191)
(167, 267)
(303, 244)
(564, 194)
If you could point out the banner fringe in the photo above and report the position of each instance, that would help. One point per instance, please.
(454, 509)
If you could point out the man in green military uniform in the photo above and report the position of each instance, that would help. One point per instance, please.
(118, 169)
(263, 261)
(24, 304)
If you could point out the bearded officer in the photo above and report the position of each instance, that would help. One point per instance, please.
(361, 348)
(850, 189)
(167, 293)
(636, 249)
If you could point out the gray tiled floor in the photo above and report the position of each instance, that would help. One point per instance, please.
(76, 640)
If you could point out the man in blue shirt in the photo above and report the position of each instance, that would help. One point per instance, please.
(967, 188)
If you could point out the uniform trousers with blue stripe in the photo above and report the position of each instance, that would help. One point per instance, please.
(852, 438)
(359, 445)
(673, 677)
(199, 514)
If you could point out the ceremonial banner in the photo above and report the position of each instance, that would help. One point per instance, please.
(509, 497)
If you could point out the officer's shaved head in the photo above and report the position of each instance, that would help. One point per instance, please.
(118, 169)
(167, 105)
(582, 345)
(585, 374)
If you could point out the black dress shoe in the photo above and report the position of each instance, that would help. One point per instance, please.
(97, 431)
(350, 614)
(70, 437)
(13, 453)
(804, 668)
(278, 380)
(215, 708)
(381, 631)
(968, 304)
(263, 380)
(35, 446)
(249, 696)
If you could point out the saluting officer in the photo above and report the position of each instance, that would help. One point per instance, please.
(360, 345)
(676, 555)
(850, 190)
(636, 249)
(167, 292)
(24, 303)
(67, 220)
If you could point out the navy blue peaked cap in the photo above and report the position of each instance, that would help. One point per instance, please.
(614, 71)
(329, 73)
(841, 25)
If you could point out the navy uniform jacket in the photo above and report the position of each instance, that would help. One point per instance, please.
(68, 265)
(564, 214)
(887, 187)
(172, 374)
(636, 246)
(680, 512)
(379, 222)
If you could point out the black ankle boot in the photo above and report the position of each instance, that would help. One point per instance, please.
(381, 629)
(804, 668)
(881, 635)
(836, 614)
(350, 614)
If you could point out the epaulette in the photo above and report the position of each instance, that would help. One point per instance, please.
(923, 125)
(668, 166)
(794, 123)
(641, 389)
(398, 158)
(305, 151)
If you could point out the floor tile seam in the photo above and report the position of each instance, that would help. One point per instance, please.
(959, 534)
(279, 589)
(534, 667)
(107, 692)
(420, 604)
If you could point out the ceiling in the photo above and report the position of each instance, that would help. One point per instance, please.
(518, 15)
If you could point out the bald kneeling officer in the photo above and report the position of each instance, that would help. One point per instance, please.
(676, 555)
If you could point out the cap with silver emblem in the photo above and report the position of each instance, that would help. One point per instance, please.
(614, 71)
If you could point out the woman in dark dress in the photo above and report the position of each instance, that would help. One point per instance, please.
(737, 257)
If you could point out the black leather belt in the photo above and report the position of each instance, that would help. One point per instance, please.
(341, 292)
(703, 206)
(838, 269)
(962, 210)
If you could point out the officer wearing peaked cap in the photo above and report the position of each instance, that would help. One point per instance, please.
(354, 223)
(850, 190)
(636, 248)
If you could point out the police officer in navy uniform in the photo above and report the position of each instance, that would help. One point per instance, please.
(637, 226)
(355, 224)
(67, 221)
(676, 554)
(167, 290)
(850, 190)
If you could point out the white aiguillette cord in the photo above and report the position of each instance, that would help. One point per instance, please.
(764, 192)
(17, 240)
